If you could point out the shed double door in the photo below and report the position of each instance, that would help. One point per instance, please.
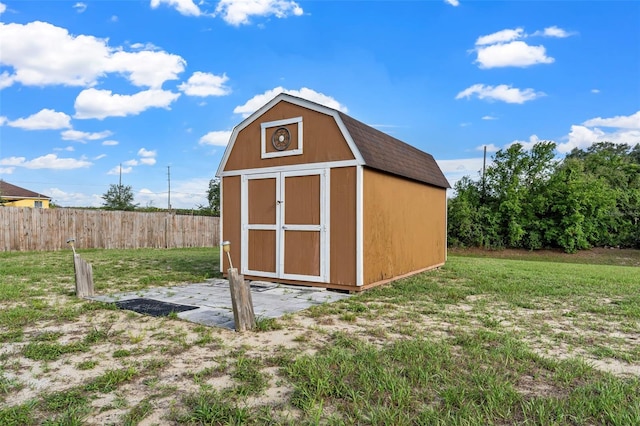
(284, 231)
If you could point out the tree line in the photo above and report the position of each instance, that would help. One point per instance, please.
(529, 199)
(120, 197)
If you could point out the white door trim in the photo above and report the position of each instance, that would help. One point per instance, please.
(246, 227)
(280, 227)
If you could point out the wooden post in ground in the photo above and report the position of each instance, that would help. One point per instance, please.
(241, 300)
(84, 276)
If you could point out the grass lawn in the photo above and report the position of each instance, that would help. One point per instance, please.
(516, 337)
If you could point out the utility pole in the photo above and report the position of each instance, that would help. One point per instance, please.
(484, 164)
(169, 192)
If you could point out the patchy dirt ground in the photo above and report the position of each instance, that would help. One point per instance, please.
(134, 369)
(167, 358)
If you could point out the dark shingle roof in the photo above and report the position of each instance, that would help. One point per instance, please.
(384, 152)
(8, 190)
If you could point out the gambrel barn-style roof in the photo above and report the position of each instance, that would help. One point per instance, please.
(371, 147)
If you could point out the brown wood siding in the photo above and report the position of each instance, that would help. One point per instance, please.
(262, 250)
(404, 226)
(231, 220)
(343, 226)
(322, 140)
(262, 201)
(302, 252)
(302, 200)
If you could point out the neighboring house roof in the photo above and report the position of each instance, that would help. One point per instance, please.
(372, 148)
(8, 190)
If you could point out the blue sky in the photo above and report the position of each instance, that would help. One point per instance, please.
(87, 86)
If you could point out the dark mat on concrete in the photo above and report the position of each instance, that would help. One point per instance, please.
(152, 307)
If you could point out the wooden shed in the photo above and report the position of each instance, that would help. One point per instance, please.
(312, 196)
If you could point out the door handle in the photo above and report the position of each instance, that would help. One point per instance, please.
(279, 202)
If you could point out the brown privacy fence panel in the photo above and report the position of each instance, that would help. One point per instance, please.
(27, 229)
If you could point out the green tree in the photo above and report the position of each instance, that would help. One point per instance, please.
(513, 187)
(618, 167)
(579, 206)
(119, 197)
(213, 197)
(531, 200)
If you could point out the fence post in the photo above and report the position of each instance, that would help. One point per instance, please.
(243, 315)
(84, 276)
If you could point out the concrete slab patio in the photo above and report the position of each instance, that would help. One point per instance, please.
(213, 300)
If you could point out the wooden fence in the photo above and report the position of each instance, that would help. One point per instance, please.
(28, 229)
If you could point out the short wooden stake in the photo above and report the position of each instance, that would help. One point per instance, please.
(84, 276)
(241, 300)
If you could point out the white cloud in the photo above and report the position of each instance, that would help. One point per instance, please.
(500, 37)
(239, 12)
(110, 143)
(489, 117)
(490, 148)
(205, 84)
(74, 198)
(119, 169)
(3, 120)
(259, 100)
(512, 54)
(144, 46)
(6, 80)
(41, 54)
(3, 7)
(93, 103)
(147, 157)
(80, 7)
(533, 139)
(12, 161)
(7, 170)
(131, 163)
(184, 194)
(502, 92)
(49, 161)
(620, 121)
(146, 153)
(595, 90)
(148, 161)
(99, 157)
(452, 2)
(454, 170)
(625, 129)
(553, 31)
(45, 119)
(67, 148)
(216, 138)
(77, 135)
(184, 7)
(582, 137)
(460, 165)
(505, 48)
(146, 68)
